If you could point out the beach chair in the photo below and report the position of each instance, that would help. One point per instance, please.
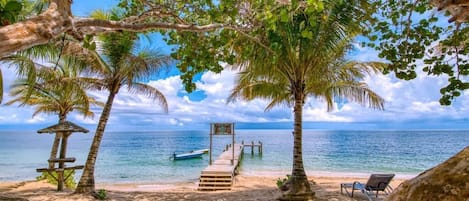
(375, 184)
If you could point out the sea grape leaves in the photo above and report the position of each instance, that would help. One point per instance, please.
(413, 35)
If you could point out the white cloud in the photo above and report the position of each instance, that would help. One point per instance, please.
(405, 101)
(36, 119)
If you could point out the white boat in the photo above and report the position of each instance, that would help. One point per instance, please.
(205, 151)
(189, 155)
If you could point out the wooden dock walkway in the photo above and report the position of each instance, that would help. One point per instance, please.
(220, 174)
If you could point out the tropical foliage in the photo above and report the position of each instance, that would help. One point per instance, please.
(52, 90)
(303, 55)
(118, 63)
(55, 91)
(413, 37)
(9, 11)
(51, 178)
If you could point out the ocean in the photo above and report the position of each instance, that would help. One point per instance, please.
(143, 157)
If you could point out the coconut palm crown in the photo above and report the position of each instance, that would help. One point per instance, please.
(287, 65)
(118, 63)
(53, 91)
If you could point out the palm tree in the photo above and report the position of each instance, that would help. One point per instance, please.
(118, 65)
(296, 66)
(54, 92)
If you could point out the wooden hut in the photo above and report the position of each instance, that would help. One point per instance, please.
(63, 130)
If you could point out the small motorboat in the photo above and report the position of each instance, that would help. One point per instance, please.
(189, 155)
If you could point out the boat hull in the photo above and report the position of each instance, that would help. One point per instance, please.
(188, 155)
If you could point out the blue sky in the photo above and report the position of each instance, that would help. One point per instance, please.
(409, 104)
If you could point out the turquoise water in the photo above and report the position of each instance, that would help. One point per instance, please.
(144, 156)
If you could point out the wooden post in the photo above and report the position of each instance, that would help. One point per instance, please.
(252, 147)
(63, 153)
(233, 145)
(210, 154)
(260, 148)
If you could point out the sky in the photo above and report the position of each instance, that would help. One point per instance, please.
(409, 104)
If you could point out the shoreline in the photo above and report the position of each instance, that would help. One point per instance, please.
(252, 173)
(247, 173)
(322, 177)
(245, 187)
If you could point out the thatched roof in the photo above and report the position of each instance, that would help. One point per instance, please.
(63, 127)
(459, 9)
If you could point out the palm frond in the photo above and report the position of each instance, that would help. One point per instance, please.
(313, 66)
(358, 92)
(151, 92)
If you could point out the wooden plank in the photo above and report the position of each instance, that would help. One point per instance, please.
(219, 175)
(42, 170)
(59, 169)
(214, 179)
(55, 160)
(213, 188)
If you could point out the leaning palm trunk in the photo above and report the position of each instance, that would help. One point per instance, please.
(298, 187)
(55, 148)
(55, 144)
(86, 183)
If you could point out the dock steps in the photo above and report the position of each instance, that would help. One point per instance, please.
(210, 182)
(220, 175)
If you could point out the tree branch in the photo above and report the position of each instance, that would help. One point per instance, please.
(94, 26)
(58, 19)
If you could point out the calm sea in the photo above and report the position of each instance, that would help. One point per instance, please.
(144, 156)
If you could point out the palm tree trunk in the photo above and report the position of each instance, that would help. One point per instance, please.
(86, 183)
(298, 187)
(55, 144)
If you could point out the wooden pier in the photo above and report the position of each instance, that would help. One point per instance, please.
(220, 174)
(252, 145)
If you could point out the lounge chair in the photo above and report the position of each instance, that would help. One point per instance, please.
(376, 183)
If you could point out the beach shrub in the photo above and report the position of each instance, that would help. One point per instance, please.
(100, 194)
(282, 181)
(68, 183)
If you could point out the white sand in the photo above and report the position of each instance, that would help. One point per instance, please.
(246, 187)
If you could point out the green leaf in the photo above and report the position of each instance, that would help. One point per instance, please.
(307, 34)
(92, 46)
(284, 15)
(320, 6)
(13, 7)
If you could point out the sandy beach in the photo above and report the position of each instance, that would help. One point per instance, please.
(246, 187)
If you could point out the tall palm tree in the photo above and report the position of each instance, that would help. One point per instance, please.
(296, 66)
(119, 64)
(54, 92)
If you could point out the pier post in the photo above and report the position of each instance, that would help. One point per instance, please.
(210, 154)
(233, 143)
(252, 147)
(260, 147)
